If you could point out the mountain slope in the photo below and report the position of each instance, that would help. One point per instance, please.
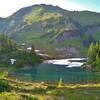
(53, 30)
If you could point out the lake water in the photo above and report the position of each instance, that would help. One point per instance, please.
(53, 72)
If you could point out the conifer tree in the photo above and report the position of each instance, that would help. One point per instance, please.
(94, 55)
(91, 53)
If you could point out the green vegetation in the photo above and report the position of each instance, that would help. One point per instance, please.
(53, 27)
(11, 50)
(93, 62)
(49, 28)
(6, 44)
(60, 82)
(86, 17)
(96, 35)
(14, 89)
(35, 15)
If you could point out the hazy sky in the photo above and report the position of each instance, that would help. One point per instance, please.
(8, 7)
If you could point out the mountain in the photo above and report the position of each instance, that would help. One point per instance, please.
(54, 30)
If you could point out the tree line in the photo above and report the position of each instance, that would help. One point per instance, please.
(9, 49)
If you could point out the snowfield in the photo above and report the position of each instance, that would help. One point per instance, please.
(73, 62)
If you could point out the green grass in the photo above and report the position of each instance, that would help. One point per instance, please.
(37, 15)
(32, 16)
(15, 90)
(42, 91)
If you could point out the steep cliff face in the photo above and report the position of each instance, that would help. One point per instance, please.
(53, 29)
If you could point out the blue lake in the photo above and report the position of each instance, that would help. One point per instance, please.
(52, 73)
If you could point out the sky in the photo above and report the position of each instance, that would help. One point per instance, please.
(8, 7)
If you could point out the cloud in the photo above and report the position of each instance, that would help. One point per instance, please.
(7, 7)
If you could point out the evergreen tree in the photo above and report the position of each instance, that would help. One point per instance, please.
(6, 44)
(94, 56)
(91, 53)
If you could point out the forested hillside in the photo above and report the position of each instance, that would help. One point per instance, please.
(53, 30)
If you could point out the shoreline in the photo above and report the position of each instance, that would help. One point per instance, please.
(46, 85)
